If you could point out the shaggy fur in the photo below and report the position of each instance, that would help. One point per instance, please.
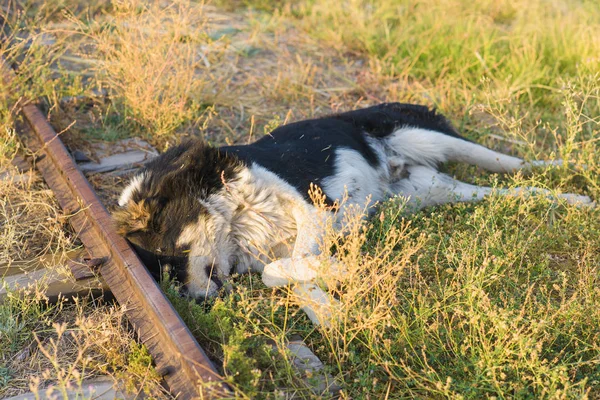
(208, 211)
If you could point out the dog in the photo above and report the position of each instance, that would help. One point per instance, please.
(206, 212)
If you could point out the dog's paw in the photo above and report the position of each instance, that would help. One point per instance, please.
(319, 306)
(287, 271)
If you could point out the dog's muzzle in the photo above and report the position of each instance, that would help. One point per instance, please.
(155, 263)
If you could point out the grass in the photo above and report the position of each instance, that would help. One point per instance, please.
(497, 299)
(52, 349)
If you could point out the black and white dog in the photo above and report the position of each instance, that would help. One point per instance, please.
(209, 211)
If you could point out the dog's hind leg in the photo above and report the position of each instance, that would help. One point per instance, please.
(415, 146)
(426, 187)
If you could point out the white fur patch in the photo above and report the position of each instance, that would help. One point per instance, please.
(265, 216)
(430, 148)
(135, 184)
(357, 179)
(250, 222)
(426, 186)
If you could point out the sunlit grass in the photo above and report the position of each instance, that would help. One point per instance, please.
(497, 299)
(524, 48)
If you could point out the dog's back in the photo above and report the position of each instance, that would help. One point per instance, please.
(308, 151)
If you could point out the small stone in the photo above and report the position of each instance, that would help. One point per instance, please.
(311, 368)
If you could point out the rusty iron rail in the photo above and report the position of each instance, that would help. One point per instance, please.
(179, 358)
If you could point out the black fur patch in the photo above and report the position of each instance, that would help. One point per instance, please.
(190, 169)
(383, 119)
(155, 263)
(305, 152)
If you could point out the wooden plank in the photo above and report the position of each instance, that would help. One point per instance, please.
(54, 283)
(97, 389)
(20, 267)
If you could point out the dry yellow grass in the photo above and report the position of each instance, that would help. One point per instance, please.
(50, 348)
(465, 301)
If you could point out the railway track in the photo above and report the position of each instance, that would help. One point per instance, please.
(187, 370)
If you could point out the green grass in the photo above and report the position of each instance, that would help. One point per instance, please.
(501, 304)
(524, 50)
(497, 299)
(112, 127)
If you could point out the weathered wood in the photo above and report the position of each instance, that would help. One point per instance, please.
(25, 266)
(126, 160)
(54, 283)
(125, 154)
(97, 389)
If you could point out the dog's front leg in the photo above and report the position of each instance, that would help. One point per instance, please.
(301, 270)
(302, 273)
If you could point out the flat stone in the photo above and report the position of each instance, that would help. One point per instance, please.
(18, 172)
(80, 157)
(117, 161)
(124, 154)
(20, 163)
(311, 368)
(14, 177)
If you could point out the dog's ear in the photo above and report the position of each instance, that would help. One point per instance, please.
(138, 216)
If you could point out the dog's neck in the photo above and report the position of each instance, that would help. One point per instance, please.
(260, 209)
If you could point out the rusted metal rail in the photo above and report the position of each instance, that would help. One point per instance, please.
(186, 368)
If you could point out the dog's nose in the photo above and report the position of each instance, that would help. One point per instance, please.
(211, 272)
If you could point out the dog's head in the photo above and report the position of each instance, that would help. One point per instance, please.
(172, 213)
